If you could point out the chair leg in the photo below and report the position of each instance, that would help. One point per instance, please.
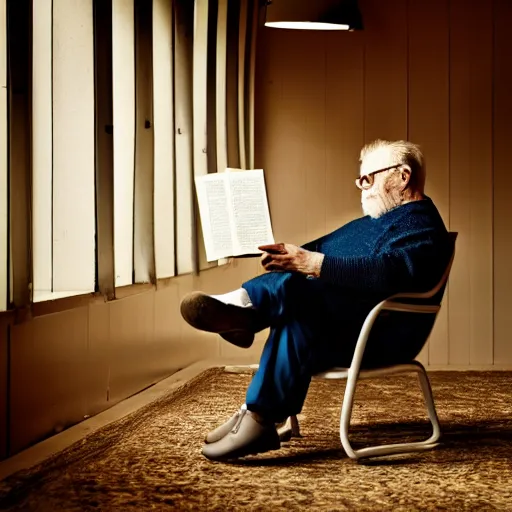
(390, 449)
(429, 404)
(295, 426)
(290, 428)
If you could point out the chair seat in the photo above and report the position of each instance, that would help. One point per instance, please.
(343, 373)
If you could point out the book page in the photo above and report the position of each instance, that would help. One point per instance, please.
(212, 196)
(251, 217)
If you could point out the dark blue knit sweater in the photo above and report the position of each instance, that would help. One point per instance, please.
(405, 250)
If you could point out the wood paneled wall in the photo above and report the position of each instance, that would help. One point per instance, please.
(435, 72)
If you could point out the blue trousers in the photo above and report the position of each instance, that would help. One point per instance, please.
(308, 334)
(313, 327)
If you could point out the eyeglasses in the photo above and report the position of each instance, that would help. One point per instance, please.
(365, 181)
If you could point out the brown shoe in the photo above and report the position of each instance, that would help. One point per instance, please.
(247, 437)
(234, 323)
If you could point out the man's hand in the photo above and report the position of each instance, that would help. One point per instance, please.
(288, 257)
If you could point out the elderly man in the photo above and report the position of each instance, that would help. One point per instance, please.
(315, 297)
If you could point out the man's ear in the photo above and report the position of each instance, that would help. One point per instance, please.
(405, 176)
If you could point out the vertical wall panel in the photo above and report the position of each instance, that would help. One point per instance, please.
(253, 43)
(4, 387)
(3, 157)
(460, 192)
(104, 146)
(202, 140)
(221, 74)
(52, 350)
(242, 45)
(211, 86)
(123, 51)
(143, 243)
(344, 131)
(73, 146)
(99, 355)
(185, 225)
(471, 296)
(200, 105)
(385, 69)
(429, 124)
(19, 94)
(297, 111)
(131, 336)
(4, 245)
(482, 304)
(502, 175)
(42, 155)
(311, 120)
(233, 19)
(163, 98)
(283, 100)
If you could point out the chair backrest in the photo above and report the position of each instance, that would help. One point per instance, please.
(408, 338)
(439, 286)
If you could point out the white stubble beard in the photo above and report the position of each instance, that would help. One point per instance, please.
(376, 204)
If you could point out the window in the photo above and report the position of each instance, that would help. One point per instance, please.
(112, 107)
(63, 156)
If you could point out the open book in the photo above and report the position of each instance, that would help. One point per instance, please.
(234, 213)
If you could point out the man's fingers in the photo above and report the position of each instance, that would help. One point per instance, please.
(276, 258)
(273, 248)
(276, 262)
(266, 258)
(274, 267)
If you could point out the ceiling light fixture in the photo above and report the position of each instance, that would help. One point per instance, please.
(314, 14)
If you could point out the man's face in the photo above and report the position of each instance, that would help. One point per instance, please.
(384, 193)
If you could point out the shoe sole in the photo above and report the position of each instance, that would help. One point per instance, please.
(235, 324)
(285, 434)
(242, 339)
(253, 449)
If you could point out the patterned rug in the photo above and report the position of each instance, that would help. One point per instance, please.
(151, 459)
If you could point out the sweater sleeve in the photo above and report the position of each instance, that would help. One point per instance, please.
(314, 244)
(409, 264)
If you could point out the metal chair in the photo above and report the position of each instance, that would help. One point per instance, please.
(399, 302)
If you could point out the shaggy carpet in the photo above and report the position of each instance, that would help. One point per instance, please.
(151, 459)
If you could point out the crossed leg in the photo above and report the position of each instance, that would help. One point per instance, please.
(305, 331)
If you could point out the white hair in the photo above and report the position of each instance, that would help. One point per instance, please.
(403, 152)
